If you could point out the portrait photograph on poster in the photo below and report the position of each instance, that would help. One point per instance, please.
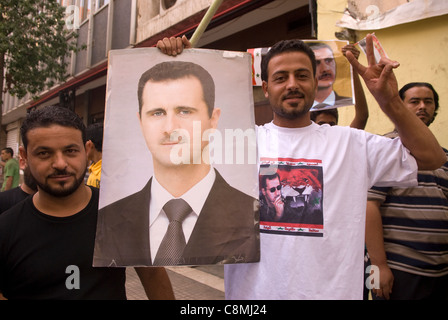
(334, 73)
(179, 182)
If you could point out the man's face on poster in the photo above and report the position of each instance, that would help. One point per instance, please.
(272, 192)
(325, 67)
(175, 117)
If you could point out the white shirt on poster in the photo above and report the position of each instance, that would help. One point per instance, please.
(158, 221)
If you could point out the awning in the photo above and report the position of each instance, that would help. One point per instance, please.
(367, 16)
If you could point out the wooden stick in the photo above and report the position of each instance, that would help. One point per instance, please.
(204, 22)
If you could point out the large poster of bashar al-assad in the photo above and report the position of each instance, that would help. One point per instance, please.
(333, 71)
(179, 172)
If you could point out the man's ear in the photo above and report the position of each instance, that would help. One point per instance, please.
(23, 156)
(215, 117)
(22, 163)
(264, 85)
(89, 146)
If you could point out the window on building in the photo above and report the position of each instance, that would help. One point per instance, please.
(84, 9)
(101, 3)
(166, 4)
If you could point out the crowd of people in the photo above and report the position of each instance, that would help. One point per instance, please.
(403, 226)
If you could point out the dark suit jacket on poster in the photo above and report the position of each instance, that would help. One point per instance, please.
(227, 230)
(342, 101)
(338, 102)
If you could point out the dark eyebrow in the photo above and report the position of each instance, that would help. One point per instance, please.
(418, 98)
(73, 145)
(179, 108)
(154, 110)
(45, 148)
(298, 70)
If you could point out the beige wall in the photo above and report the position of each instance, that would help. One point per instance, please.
(419, 46)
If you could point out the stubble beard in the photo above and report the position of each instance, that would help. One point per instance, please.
(294, 110)
(294, 113)
(63, 190)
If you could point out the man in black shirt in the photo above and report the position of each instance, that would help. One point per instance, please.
(47, 240)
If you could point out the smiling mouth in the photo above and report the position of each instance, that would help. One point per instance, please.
(60, 177)
(293, 96)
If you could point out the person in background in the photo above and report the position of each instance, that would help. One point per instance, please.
(94, 147)
(11, 172)
(11, 197)
(407, 228)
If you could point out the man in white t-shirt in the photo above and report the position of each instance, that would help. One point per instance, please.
(303, 260)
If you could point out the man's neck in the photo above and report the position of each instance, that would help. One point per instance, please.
(63, 206)
(95, 156)
(177, 180)
(299, 122)
(25, 188)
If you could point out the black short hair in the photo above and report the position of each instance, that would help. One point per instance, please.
(9, 150)
(94, 133)
(294, 45)
(173, 70)
(48, 116)
(332, 112)
(264, 178)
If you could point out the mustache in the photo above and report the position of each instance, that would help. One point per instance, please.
(325, 74)
(424, 113)
(293, 94)
(58, 173)
(174, 137)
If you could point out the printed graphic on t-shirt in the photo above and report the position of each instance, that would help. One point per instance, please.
(291, 197)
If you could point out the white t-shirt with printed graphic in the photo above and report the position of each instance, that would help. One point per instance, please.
(325, 173)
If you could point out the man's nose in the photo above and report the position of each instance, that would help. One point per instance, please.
(422, 105)
(59, 161)
(292, 82)
(171, 123)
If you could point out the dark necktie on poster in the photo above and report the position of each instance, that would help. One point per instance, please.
(173, 243)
